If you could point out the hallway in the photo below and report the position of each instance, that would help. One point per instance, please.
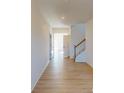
(65, 76)
(73, 19)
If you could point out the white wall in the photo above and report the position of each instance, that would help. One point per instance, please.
(66, 31)
(77, 35)
(39, 43)
(66, 43)
(89, 42)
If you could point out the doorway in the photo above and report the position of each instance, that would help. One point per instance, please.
(61, 45)
(58, 44)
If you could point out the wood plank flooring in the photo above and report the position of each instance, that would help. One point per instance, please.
(63, 75)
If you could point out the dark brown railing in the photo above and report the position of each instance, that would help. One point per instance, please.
(75, 48)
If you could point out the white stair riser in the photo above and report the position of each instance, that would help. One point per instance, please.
(81, 57)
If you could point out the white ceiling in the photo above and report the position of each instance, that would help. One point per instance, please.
(73, 11)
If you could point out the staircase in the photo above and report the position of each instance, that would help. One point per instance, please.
(80, 52)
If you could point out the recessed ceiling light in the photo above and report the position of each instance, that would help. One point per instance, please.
(62, 17)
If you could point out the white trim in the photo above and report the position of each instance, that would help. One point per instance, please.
(40, 75)
(90, 64)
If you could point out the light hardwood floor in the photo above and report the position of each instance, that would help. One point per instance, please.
(65, 76)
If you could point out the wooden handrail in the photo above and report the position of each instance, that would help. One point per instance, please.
(75, 46)
(80, 42)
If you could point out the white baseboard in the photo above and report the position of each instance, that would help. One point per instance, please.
(90, 64)
(40, 75)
